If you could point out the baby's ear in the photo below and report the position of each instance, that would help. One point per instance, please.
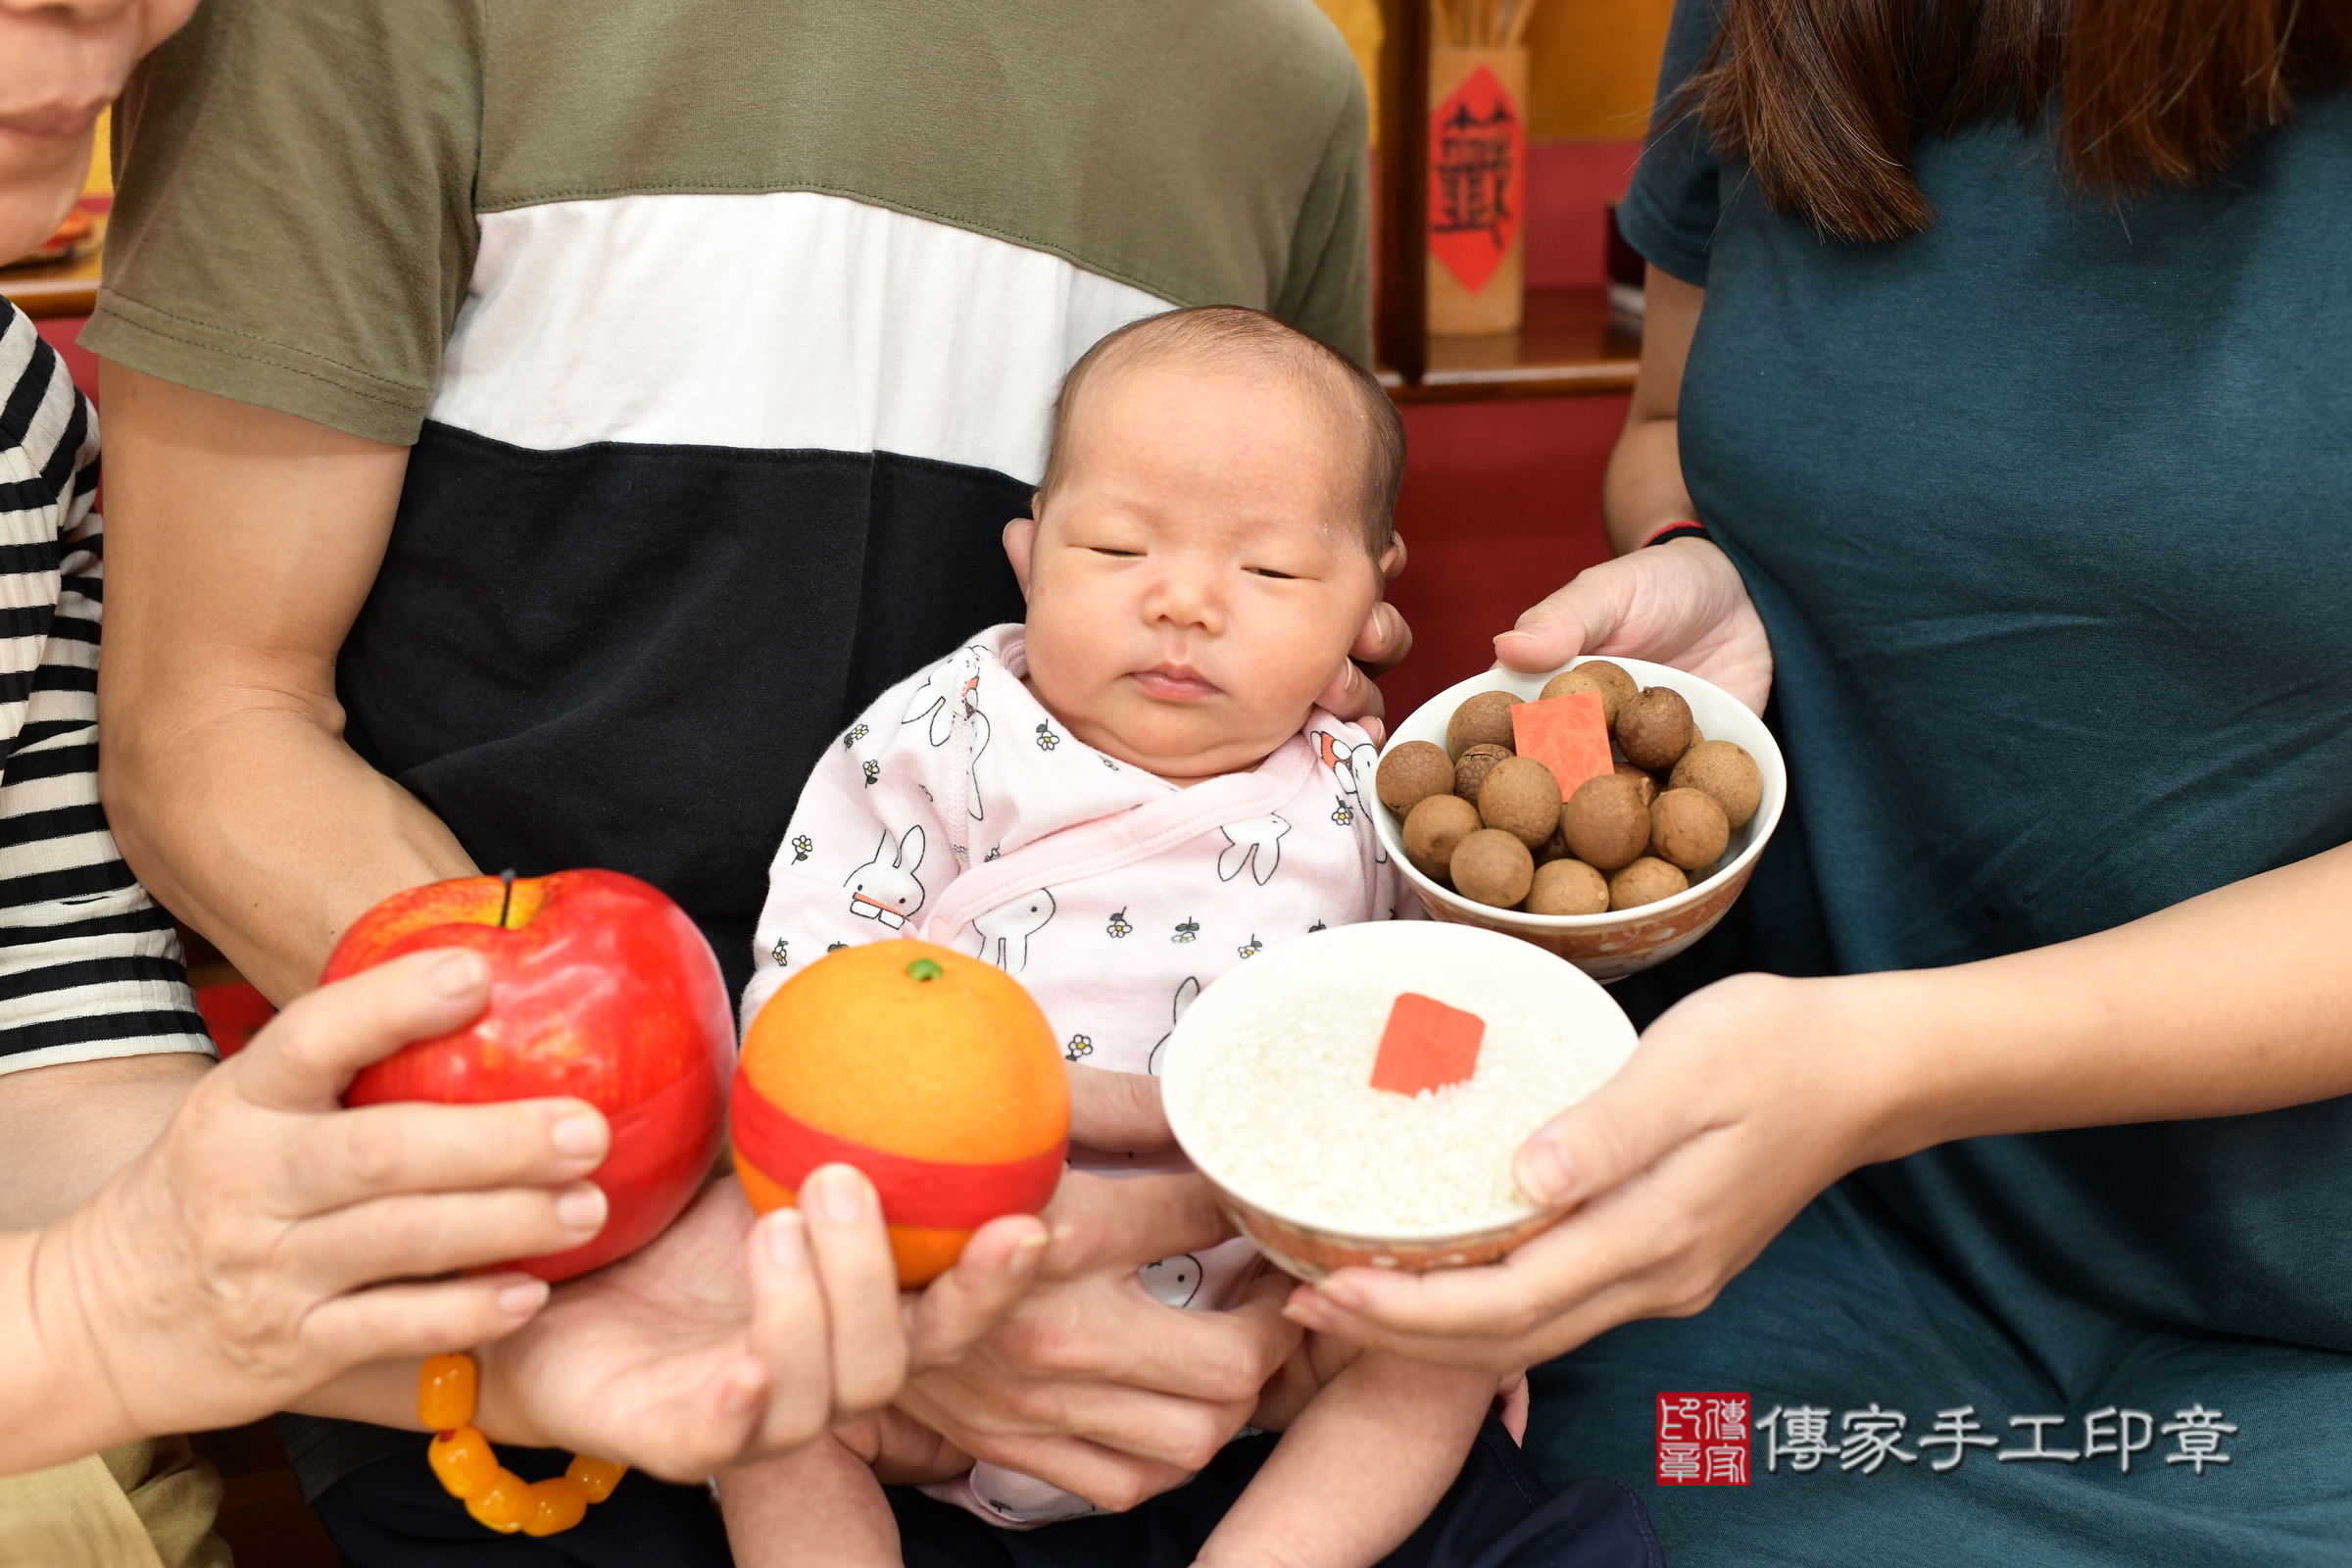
(1020, 539)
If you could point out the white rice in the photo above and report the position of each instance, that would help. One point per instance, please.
(1286, 1113)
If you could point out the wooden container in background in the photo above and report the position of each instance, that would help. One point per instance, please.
(1477, 191)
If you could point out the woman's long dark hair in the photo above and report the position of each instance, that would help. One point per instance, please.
(1824, 98)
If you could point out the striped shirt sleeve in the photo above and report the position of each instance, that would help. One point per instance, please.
(89, 966)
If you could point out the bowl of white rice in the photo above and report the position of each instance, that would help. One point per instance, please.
(1268, 1087)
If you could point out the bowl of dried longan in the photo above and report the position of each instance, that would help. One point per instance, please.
(1611, 812)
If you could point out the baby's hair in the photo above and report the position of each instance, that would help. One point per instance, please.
(1237, 334)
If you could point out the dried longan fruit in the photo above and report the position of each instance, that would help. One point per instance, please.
(1431, 831)
(1615, 686)
(1433, 828)
(1522, 798)
(1641, 776)
(1606, 821)
(1554, 848)
(1727, 773)
(1656, 728)
(1493, 867)
(1645, 881)
(1477, 763)
(1483, 719)
(1688, 829)
(1567, 887)
(1411, 773)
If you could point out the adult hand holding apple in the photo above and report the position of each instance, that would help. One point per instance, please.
(601, 988)
(685, 1346)
(231, 1268)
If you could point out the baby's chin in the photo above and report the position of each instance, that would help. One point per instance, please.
(1192, 742)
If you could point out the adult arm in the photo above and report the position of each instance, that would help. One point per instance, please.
(241, 544)
(1753, 1094)
(65, 1131)
(230, 1271)
(1682, 603)
(232, 1264)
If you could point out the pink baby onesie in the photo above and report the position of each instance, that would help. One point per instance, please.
(959, 809)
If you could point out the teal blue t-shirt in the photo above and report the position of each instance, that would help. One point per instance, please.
(2048, 512)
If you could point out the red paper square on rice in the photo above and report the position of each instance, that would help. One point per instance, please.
(1425, 1045)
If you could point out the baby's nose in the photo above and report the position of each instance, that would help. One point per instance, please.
(1188, 594)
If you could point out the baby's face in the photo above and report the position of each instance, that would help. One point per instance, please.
(1198, 572)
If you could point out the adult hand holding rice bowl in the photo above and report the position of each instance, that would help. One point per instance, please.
(1271, 1086)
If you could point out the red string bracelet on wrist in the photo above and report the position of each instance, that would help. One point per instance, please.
(1678, 530)
(496, 1497)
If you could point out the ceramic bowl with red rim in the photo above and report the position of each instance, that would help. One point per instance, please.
(1271, 1084)
(1622, 942)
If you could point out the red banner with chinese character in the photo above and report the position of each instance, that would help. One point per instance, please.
(1477, 178)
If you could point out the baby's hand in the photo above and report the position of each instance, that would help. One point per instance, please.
(1117, 1112)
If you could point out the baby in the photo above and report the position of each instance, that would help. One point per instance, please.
(1116, 801)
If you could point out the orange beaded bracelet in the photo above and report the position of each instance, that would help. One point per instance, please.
(469, 1471)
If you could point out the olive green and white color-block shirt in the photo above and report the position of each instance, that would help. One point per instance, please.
(723, 334)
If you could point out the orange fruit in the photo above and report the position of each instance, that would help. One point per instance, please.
(932, 1072)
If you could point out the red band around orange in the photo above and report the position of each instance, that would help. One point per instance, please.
(931, 1194)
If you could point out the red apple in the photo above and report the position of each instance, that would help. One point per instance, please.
(601, 988)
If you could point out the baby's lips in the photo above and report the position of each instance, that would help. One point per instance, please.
(1175, 682)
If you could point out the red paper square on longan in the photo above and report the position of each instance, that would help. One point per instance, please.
(1570, 735)
(1425, 1045)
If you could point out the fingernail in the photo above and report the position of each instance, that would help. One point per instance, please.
(787, 1241)
(1308, 1312)
(457, 974)
(840, 1193)
(523, 1298)
(1346, 1292)
(1544, 1171)
(583, 1207)
(1385, 618)
(582, 1134)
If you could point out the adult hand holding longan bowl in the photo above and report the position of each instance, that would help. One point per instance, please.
(1681, 603)
(1609, 812)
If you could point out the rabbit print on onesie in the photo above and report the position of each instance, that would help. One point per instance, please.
(1119, 802)
(885, 889)
(1075, 849)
